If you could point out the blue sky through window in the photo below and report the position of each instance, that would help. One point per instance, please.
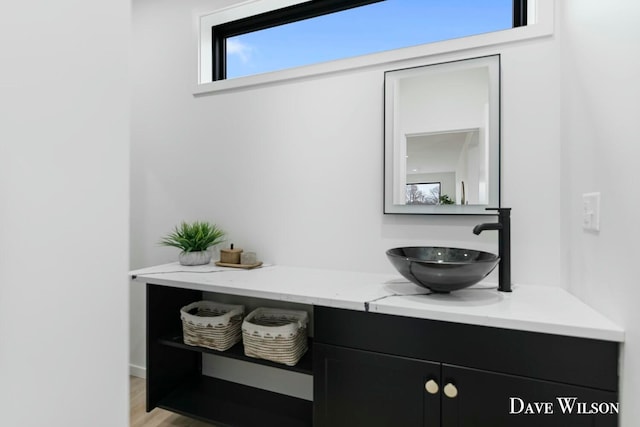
(386, 25)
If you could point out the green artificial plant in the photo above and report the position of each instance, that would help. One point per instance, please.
(446, 200)
(194, 237)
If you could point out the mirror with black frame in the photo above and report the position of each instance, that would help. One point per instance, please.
(442, 138)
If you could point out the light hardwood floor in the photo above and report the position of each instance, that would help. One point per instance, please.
(138, 417)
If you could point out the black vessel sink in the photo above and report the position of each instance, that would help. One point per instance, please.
(442, 269)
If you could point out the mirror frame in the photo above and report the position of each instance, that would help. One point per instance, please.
(391, 80)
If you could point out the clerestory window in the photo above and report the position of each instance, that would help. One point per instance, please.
(324, 30)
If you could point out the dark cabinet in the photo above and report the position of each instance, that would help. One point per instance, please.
(368, 373)
(378, 370)
(361, 388)
(485, 398)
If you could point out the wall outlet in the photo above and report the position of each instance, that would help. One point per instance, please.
(591, 211)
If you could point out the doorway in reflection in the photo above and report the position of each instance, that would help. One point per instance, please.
(457, 161)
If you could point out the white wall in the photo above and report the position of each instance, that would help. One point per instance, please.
(64, 166)
(237, 158)
(600, 93)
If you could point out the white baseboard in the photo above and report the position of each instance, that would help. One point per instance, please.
(137, 371)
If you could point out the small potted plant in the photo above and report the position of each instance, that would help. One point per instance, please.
(445, 200)
(194, 239)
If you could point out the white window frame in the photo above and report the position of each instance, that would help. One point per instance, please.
(540, 23)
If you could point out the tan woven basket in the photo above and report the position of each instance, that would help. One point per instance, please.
(212, 325)
(276, 335)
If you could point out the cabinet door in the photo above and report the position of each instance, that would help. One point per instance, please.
(481, 398)
(359, 388)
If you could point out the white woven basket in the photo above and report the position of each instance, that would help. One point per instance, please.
(213, 325)
(275, 334)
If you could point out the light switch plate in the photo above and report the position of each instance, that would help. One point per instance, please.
(591, 211)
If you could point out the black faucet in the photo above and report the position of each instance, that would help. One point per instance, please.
(504, 245)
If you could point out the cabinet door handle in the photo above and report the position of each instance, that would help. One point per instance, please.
(450, 391)
(432, 387)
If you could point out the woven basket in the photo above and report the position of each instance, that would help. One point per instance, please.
(212, 325)
(275, 334)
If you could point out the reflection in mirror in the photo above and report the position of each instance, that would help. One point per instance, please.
(442, 138)
(456, 160)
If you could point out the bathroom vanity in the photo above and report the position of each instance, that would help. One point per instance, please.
(385, 354)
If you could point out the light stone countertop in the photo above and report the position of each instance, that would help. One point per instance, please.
(530, 308)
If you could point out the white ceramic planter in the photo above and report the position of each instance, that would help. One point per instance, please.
(195, 258)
